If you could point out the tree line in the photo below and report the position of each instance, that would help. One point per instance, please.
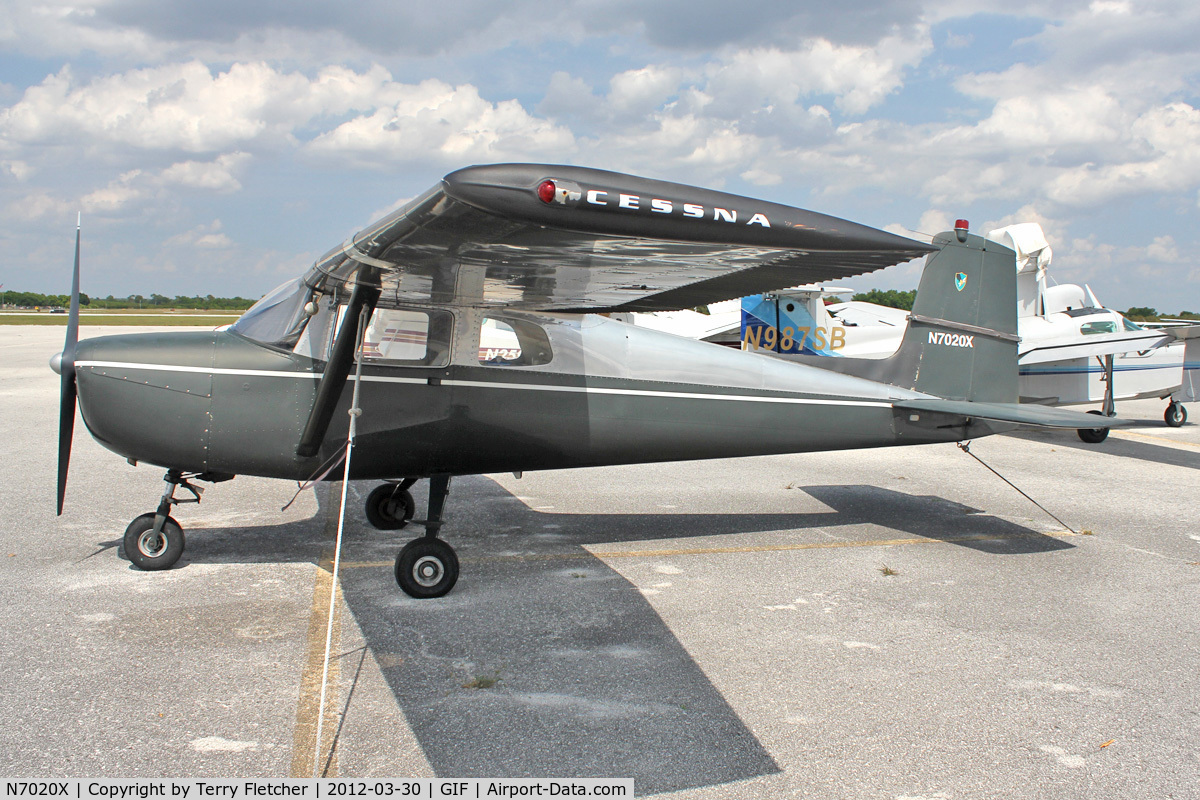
(890, 297)
(904, 300)
(207, 303)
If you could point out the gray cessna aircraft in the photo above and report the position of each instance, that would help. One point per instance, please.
(475, 317)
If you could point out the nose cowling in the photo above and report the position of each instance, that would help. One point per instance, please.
(142, 396)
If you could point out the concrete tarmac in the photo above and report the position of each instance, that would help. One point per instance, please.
(891, 623)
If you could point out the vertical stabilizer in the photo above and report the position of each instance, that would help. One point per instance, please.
(961, 339)
(962, 333)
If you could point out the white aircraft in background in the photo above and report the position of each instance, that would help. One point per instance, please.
(1073, 350)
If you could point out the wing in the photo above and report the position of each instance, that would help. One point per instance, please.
(1077, 346)
(562, 238)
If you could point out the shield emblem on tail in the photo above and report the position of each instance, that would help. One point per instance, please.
(960, 280)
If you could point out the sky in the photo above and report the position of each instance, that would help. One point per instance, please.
(220, 147)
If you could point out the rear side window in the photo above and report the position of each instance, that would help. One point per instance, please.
(509, 342)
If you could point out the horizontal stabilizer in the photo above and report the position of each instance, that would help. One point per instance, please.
(1182, 331)
(1013, 412)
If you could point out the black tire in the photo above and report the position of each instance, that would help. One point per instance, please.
(152, 552)
(389, 508)
(1093, 435)
(426, 567)
(1175, 415)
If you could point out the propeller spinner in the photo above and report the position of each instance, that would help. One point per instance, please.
(64, 364)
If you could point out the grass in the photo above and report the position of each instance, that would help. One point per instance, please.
(481, 682)
(886, 570)
(118, 319)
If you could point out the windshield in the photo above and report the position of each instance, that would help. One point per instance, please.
(278, 318)
(1129, 325)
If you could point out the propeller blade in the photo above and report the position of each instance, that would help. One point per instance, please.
(69, 391)
(66, 427)
(73, 318)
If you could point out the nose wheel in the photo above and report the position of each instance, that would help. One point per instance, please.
(150, 547)
(154, 540)
(1175, 415)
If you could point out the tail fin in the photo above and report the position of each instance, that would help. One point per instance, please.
(961, 339)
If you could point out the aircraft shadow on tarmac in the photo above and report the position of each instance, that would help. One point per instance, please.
(589, 680)
(1114, 446)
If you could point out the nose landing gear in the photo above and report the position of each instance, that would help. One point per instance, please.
(155, 540)
(1175, 415)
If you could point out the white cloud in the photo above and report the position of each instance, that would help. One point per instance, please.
(859, 77)
(1131, 272)
(1165, 250)
(189, 108)
(450, 124)
(643, 91)
(126, 189)
(204, 237)
(761, 177)
(186, 107)
(134, 188)
(218, 175)
(19, 170)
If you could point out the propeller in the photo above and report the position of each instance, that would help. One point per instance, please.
(66, 368)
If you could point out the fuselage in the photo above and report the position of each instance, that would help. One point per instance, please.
(602, 392)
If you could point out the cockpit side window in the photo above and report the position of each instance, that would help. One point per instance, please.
(511, 342)
(408, 337)
(1104, 326)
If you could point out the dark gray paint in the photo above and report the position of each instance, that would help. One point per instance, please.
(485, 228)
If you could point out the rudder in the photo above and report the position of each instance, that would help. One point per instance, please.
(961, 340)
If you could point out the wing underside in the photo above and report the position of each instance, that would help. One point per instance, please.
(596, 241)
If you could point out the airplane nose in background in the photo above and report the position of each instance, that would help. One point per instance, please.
(56, 363)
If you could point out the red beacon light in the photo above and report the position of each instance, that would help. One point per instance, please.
(546, 191)
(960, 229)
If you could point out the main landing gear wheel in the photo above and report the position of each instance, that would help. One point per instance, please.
(1175, 415)
(1093, 435)
(390, 507)
(427, 567)
(149, 549)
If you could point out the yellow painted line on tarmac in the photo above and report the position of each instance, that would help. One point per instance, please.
(1149, 437)
(304, 732)
(765, 548)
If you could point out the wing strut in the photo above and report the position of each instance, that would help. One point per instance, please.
(337, 371)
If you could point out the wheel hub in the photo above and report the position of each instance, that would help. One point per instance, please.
(428, 570)
(152, 544)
